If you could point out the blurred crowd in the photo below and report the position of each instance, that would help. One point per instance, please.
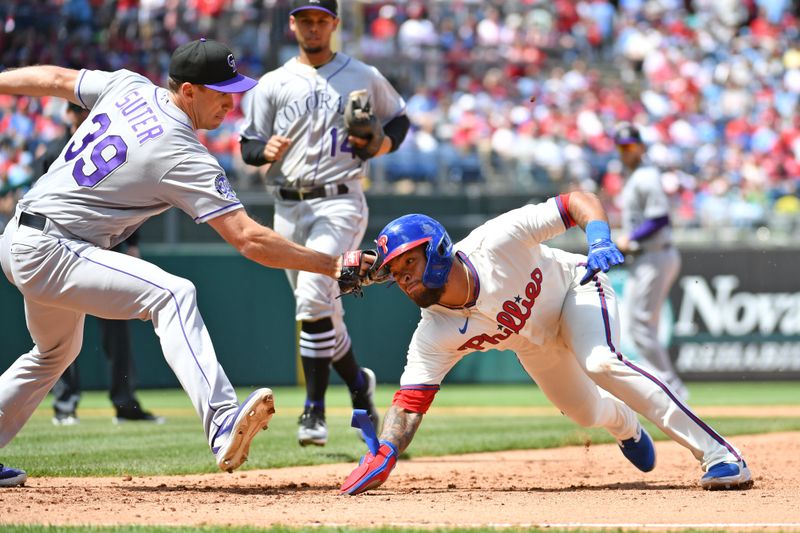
(504, 96)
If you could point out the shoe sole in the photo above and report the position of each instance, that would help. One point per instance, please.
(729, 483)
(307, 441)
(315, 442)
(254, 416)
(16, 481)
(65, 422)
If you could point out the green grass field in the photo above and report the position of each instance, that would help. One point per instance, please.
(463, 419)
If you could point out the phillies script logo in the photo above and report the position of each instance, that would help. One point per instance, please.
(512, 318)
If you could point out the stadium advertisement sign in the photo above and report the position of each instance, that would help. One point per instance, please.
(737, 315)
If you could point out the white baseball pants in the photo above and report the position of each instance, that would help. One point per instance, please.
(589, 381)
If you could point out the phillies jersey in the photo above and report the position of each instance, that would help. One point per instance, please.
(522, 284)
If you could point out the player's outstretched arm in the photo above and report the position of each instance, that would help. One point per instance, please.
(585, 207)
(587, 211)
(399, 428)
(262, 245)
(40, 80)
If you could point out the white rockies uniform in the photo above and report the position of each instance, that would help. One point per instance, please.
(306, 104)
(134, 157)
(651, 271)
(565, 335)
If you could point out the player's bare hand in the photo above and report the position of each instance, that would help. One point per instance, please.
(275, 148)
(357, 142)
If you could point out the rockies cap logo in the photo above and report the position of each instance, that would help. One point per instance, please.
(210, 63)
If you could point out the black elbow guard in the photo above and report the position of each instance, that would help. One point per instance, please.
(253, 151)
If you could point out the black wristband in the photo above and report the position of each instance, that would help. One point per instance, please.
(253, 151)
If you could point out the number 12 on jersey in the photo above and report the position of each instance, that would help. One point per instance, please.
(343, 147)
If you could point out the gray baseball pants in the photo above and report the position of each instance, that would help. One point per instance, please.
(63, 279)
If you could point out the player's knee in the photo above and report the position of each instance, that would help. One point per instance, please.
(600, 363)
(176, 299)
(314, 310)
(62, 353)
(182, 290)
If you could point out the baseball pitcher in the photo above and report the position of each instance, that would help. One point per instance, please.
(135, 156)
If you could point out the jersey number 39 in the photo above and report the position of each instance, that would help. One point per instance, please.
(107, 155)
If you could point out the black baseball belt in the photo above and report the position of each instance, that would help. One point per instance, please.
(32, 221)
(287, 193)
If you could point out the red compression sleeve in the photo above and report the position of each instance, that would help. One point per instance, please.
(415, 398)
(562, 201)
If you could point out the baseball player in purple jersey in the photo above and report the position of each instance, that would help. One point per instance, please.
(135, 156)
(501, 288)
(295, 128)
(647, 240)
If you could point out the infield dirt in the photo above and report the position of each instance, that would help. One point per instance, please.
(590, 485)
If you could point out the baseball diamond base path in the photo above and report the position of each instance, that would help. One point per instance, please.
(585, 485)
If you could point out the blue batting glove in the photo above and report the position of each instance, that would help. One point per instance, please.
(372, 470)
(603, 254)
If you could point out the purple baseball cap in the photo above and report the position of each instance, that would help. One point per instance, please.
(209, 63)
(328, 6)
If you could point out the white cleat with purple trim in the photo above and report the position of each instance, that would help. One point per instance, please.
(238, 431)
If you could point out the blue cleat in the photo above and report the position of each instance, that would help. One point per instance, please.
(639, 451)
(12, 477)
(724, 476)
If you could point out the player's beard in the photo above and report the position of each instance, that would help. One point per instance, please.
(313, 50)
(427, 297)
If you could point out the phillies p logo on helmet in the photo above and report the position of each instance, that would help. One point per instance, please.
(381, 242)
(410, 231)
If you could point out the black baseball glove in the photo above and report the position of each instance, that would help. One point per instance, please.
(359, 269)
(360, 122)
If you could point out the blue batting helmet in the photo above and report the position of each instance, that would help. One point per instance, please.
(410, 231)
